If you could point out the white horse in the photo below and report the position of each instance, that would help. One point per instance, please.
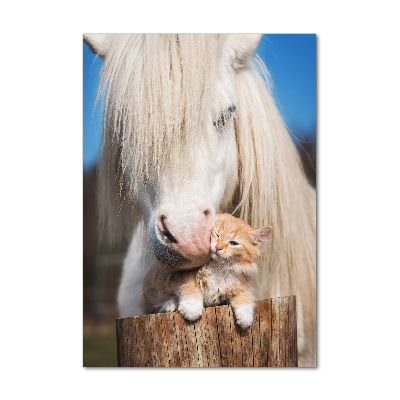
(191, 129)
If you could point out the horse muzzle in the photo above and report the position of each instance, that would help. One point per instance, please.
(181, 248)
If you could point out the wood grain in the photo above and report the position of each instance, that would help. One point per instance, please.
(215, 340)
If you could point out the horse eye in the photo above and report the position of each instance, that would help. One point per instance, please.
(231, 110)
(223, 119)
(233, 243)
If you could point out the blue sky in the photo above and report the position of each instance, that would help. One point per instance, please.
(291, 60)
(91, 115)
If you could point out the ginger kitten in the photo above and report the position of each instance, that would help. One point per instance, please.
(230, 276)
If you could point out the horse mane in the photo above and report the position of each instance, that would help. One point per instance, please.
(151, 115)
(273, 190)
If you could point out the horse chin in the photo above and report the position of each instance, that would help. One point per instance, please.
(186, 267)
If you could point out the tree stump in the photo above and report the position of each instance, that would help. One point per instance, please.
(215, 340)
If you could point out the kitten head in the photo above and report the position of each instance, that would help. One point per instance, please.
(232, 239)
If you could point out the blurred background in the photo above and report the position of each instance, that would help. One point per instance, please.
(291, 60)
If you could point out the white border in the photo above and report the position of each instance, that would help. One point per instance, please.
(41, 161)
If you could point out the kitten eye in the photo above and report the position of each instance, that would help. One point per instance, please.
(216, 235)
(233, 243)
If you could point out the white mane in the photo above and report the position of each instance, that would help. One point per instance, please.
(274, 190)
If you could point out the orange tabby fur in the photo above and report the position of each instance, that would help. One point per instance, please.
(230, 276)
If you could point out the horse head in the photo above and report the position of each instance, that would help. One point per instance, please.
(169, 130)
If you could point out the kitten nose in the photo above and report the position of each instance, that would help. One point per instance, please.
(217, 249)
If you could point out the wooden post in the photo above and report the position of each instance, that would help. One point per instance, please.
(168, 340)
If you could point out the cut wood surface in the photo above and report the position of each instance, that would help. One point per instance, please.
(215, 340)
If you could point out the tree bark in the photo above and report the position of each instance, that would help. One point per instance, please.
(215, 340)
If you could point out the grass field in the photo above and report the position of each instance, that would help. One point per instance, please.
(100, 348)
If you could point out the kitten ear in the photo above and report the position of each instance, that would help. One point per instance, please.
(261, 235)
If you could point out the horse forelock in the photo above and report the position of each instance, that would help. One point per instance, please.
(157, 91)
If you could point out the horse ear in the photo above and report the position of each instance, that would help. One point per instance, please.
(99, 43)
(261, 235)
(240, 47)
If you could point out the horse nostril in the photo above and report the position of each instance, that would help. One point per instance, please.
(165, 230)
(168, 235)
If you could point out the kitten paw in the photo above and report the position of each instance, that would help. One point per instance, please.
(191, 309)
(244, 315)
(168, 306)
